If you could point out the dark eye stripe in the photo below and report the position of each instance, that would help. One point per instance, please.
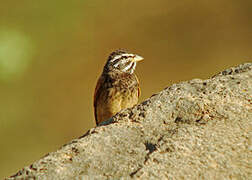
(132, 65)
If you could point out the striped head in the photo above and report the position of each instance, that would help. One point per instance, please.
(122, 61)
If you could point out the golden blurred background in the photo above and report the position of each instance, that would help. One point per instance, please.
(52, 52)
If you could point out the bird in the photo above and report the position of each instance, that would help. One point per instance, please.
(118, 86)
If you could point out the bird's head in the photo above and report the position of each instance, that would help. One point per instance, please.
(122, 61)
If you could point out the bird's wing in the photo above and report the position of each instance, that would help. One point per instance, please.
(97, 95)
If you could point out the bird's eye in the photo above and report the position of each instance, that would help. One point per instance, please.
(128, 63)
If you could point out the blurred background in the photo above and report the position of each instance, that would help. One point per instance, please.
(52, 52)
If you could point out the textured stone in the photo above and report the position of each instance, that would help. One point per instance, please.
(200, 129)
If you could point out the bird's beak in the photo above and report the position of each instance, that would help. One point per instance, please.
(137, 58)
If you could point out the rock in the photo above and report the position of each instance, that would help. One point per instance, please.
(200, 129)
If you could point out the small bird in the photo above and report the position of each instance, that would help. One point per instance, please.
(118, 86)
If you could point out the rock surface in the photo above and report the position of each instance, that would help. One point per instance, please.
(200, 129)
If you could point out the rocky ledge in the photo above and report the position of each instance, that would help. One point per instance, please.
(199, 129)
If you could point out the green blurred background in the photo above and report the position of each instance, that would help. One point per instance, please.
(52, 52)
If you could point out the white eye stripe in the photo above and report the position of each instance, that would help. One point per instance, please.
(128, 66)
(130, 55)
(116, 64)
(121, 55)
